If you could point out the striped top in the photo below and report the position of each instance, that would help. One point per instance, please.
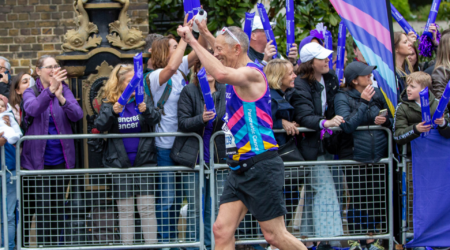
(250, 122)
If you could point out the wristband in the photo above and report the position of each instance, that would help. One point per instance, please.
(323, 123)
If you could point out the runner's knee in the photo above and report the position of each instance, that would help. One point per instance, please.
(221, 232)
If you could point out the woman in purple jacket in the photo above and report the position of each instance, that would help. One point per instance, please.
(51, 111)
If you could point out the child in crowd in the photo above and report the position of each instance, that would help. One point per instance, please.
(408, 124)
(11, 133)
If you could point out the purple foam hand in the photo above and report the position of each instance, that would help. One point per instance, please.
(249, 24)
(267, 28)
(342, 37)
(188, 9)
(290, 25)
(329, 45)
(206, 91)
(425, 107)
(445, 98)
(134, 82)
(401, 21)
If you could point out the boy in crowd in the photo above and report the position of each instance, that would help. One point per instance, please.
(408, 124)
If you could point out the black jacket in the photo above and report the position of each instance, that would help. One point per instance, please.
(114, 154)
(283, 106)
(190, 120)
(309, 111)
(366, 146)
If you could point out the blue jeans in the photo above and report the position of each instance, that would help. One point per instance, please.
(11, 201)
(166, 212)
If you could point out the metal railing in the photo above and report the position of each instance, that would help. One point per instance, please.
(69, 180)
(406, 196)
(340, 171)
(4, 196)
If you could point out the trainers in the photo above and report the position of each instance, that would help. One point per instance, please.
(375, 246)
(324, 246)
(354, 245)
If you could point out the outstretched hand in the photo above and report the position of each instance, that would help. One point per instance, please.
(185, 32)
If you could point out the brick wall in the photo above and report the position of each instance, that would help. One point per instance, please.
(31, 28)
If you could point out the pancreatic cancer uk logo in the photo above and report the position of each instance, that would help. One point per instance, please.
(129, 122)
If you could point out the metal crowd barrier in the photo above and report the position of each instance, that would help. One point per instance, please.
(407, 196)
(363, 207)
(4, 195)
(84, 213)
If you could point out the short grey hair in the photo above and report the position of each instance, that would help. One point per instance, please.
(240, 35)
(7, 64)
(150, 39)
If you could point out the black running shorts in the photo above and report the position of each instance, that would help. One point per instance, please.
(260, 189)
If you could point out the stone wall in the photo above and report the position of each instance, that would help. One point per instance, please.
(31, 28)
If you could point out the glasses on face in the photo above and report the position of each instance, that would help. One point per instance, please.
(225, 29)
(56, 66)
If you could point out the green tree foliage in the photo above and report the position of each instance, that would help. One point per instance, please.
(403, 7)
(308, 13)
(221, 13)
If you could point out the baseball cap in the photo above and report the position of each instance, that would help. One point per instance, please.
(257, 24)
(314, 50)
(355, 69)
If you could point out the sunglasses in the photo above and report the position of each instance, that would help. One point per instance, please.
(225, 29)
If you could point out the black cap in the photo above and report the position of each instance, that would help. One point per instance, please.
(355, 69)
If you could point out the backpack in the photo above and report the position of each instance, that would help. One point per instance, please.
(166, 93)
(26, 123)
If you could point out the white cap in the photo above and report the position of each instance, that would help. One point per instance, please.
(314, 50)
(257, 24)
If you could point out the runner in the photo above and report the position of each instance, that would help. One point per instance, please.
(256, 181)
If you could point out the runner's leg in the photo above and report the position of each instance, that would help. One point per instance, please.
(230, 215)
(276, 235)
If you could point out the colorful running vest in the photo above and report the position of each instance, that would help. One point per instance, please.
(248, 129)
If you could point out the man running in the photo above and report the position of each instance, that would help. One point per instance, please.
(257, 177)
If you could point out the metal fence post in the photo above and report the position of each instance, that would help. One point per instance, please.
(4, 194)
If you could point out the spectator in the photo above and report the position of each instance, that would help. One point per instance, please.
(441, 73)
(8, 124)
(263, 51)
(360, 104)
(52, 112)
(414, 60)
(130, 152)
(317, 88)
(403, 48)
(360, 58)
(166, 83)
(5, 76)
(280, 75)
(19, 84)
(193, 118)
(408, 124)
(148, 49)
(11, 198)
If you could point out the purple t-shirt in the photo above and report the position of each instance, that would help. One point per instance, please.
(53, 149)
(129, 123)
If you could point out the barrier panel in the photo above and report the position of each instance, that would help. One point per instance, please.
(5, 240)
(407, 196)
(326, 200)
(105, 208)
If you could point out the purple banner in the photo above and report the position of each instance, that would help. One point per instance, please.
(401, 21)
(432, 17)
(425, 106)
(188, 9)
(340, 58)
(290, 25)
(267, 28)
(430, 172)
(206, 90)
(249, 24)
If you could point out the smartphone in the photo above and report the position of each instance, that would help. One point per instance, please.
(383, 112)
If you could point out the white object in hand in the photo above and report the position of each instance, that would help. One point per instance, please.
(202, 15)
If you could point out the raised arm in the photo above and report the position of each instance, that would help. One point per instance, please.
(173, 64)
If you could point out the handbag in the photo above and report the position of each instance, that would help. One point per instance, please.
(290, 152)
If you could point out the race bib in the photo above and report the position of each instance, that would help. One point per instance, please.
(230, 144)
